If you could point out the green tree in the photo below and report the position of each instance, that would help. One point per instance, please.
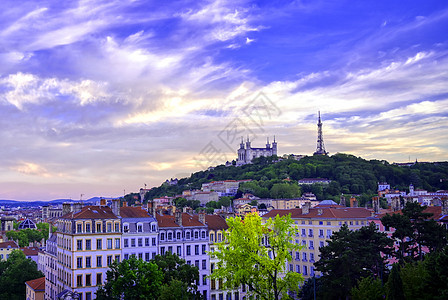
(255, 254)
(350, 256)
(174, 268)
(14, 272)
(132, 279)
(368, 288)
(225, 201)
(394, 285)
(285, 190)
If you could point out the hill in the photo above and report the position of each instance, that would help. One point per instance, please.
(349, 175)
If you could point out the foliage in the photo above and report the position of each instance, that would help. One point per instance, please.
(349, 175)
(394, 285)
(14, 272)
(368, 288)
(26, 236)
(350, 256)
(164, 277)
(311, 286)
(255, 254)
(437, 283)
(414, 277)
(414, 229)
(181, 202)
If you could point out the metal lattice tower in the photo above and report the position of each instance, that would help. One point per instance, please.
(320, 149)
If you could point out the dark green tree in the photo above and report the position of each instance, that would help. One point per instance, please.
(350, 256)
(394, 285)
(368, 288)
(14, 272)
(132, 279)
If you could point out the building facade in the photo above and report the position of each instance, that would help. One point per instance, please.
(247, 154)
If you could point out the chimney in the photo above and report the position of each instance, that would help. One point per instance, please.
(103, 202)
(116, 207)
(125, 204)
(306, 208)
(395, 204)
(320, 211)
(342, 200)
(66, 208)
(376, 204)
(202, 217)
(77, 206)
(353, 202)
(178, 217)
(444, 206)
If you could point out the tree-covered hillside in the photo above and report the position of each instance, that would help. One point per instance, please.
(349, 175)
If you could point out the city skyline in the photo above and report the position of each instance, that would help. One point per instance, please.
(102, 97)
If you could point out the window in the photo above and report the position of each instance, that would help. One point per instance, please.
(126, 256)
(291, 267)
(109, 227)
(98, 227)
(303, 243)
(117, 243)
(196, 263)
(219, 237)
(312, 271)
(109, 243)
(304, 256)
(321, 223)
(321, 233)
(99, 278)
(146, 242)
(79, 262)
(126, 243)
(179, 250)
(153, 255)
(153, 227)
(196, 235)
(310, 222)
(162, 250)
(311, 257)
(188, 250)
(140, 256)
(305, 270)
(88, 227)
(203, 234)
(196, 249)
(125, 228)
(328, 223)
(88, 245)
(213, 285)
(310, 231)
(99, 261)
(117, 227)
(203, 249)
(204, 264)
(88, 295)
(303, 232)
(140, 242)
(79, 244)
(298, 269)
(99, 244)
(297, 255)
(117, 258)
(170, 249)
(78, 228)
(329, 233)
(162, 236)
(311, 245)
(88, 262)
(188, 235)
(147, 256)
(212, 237)
(204, 279)
(88, 280)
(351, 222)
(321, 244)
(139, 228)
(170, 236)
(109, 260)
(178, 235)
(132, 242)
(79, 280)
(154, 241)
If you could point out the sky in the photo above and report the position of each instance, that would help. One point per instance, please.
(99, 98)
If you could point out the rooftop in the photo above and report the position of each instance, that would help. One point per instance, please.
(91, 212)
(134, 212)
(331, 212)
(187, 220)
(9, 244)
(37, 284)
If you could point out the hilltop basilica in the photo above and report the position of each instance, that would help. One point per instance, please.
(245, 155)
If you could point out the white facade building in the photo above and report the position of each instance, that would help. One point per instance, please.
(245, 155)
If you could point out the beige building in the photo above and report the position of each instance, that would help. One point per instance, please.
(88, 241)
(292, 203)
(6, 249)
(315, 227)
(35, 289)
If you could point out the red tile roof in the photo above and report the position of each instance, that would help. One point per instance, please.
(92, 212)
(436, 212)
(37, 285)
(30, 251)
(133, 212)
(216, 222)
(9, 244)
(331, 212)
(187, 220)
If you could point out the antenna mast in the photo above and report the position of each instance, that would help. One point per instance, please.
(320, 149)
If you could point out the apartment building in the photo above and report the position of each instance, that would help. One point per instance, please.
(315, 227)
(186, 235)
(88, 241)
(140, 233)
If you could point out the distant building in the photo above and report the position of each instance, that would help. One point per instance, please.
(6, 223)
(35, 289)
(6, 249)
(247, 154)
(314, 180)
(224, 187)
(27, 224)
